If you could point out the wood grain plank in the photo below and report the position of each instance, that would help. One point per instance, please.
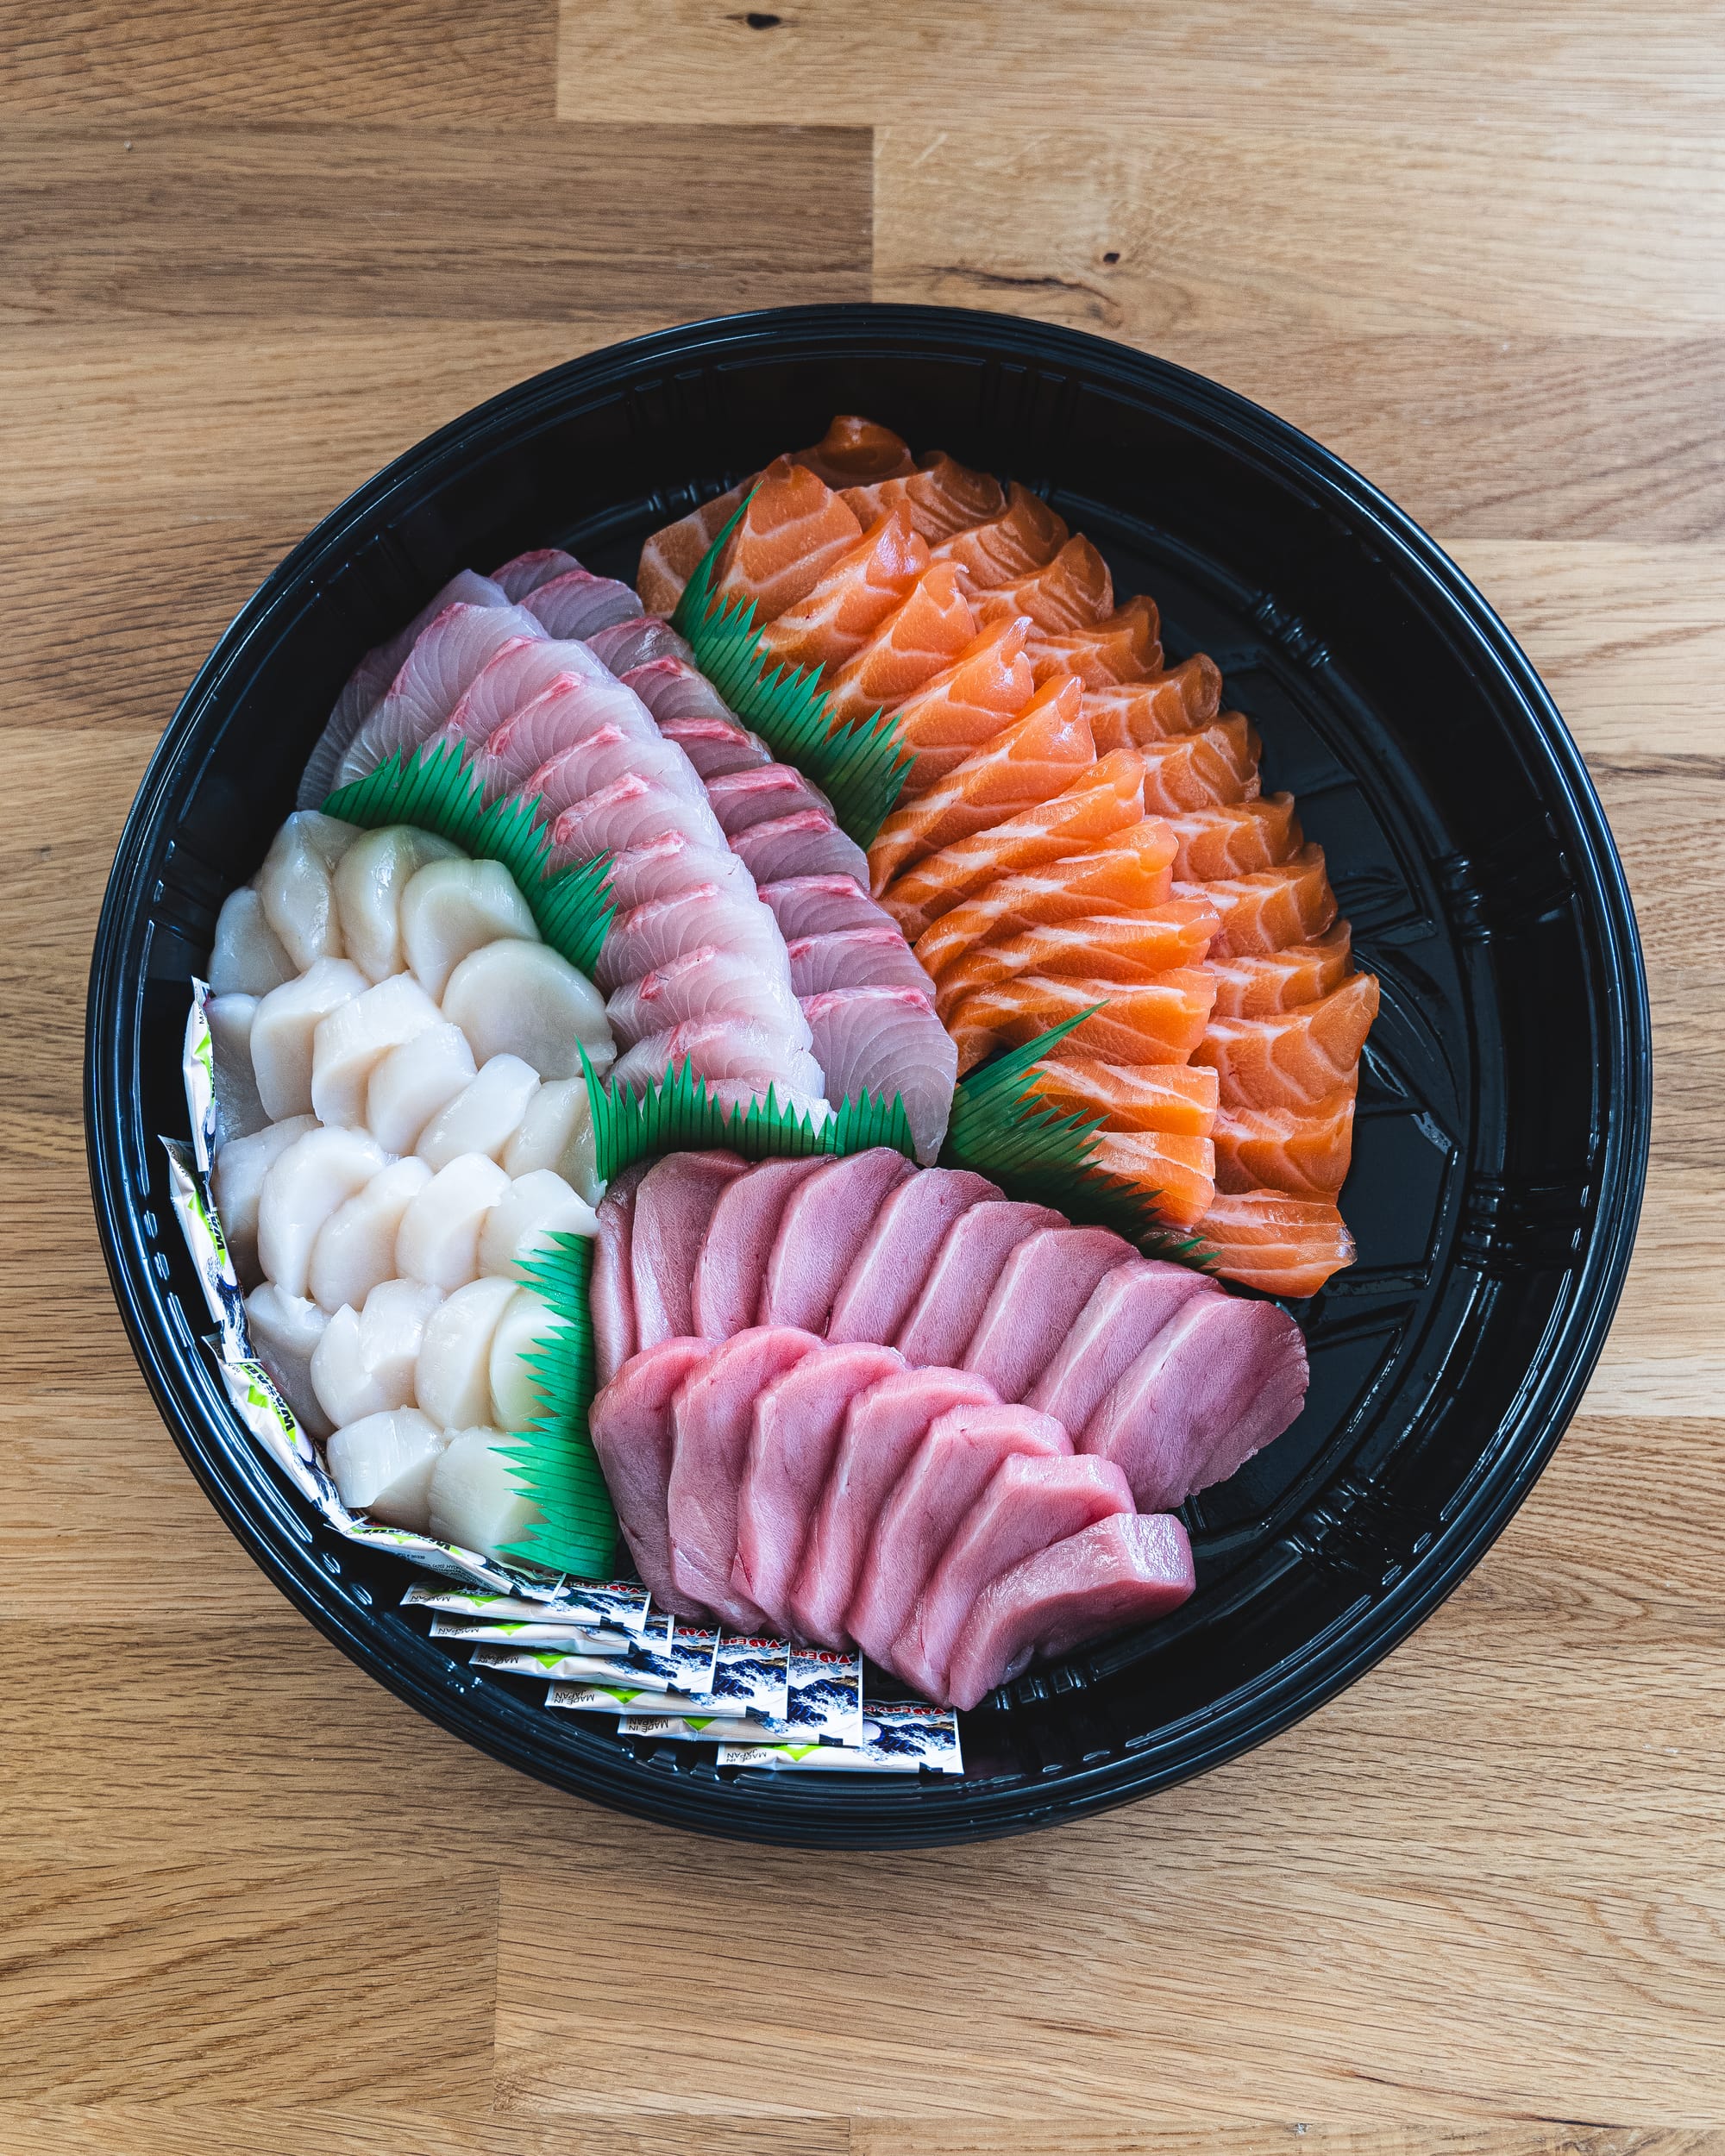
(411, 2129)
(1067, 2137)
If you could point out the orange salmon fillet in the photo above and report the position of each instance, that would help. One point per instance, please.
(673, 554)
(1217, 764)
(1130, 714)
(1124, 647)
(855, 452)
(942, 496)
(1038, 755)
(1304, 1152)
(1106, 799)
(1123, 947)
(1127, 872)
(1294, 1058)
(1177, 1175)
(1178, 1098)
(1277, 980)
(1026, 534)
(1270, 909)
(917, 641)
(1155, 1021)
(1282, 1245)
(1074, 591)
(964, 705)
(1235, 839)
(794, 530)
(838, 615)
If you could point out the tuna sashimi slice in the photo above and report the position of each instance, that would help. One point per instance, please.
(723, 1048)
(881, 1432)
(1161, 1019)
(888, 1273)
(945, 1317)
(1127, 1308)
(673, 554)
(1028, 1503)
(707, 983)
(795, 529)
(823, 905)
(1025, 534)
(945, 1476)
(1045, 1283)
(1124, 647)
(433, 678)
(646, 936)
(941, 497)
(759, 794)
(1178, 1098)
(1215, 765)
(1305, 1151)
(1271, 908)
(834, 619)
(673, 1206)
(887, 1041)
(825, 1224)
(1282, 1245)
(630, 811)
(610, 1295)
(1222, 1379)
(630, 1424)
(730, 1273)
(674, 862)
(711, 1420)
(525, 573)
(1126, 947)
(672, 689)
(1074, 591)
(855, 958)
(799, 1420)
(578, 603)
(639, 641)
(1296, 1058)
(1131, 714)
(963, 707)
(1234, 838)
(515, 678)
(1127, 1570)
(806, 843)
(1259, 986)
(1176, 1175)
(607, 754)
(916, 641)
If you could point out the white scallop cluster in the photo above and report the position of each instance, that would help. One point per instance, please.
(403, 1123)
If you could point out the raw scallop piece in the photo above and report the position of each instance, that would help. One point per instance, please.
(1126, 947)
(519, 675)
(1160, 1020)
(557, 1133)
(237, 1180)
(674, 1207)
(1213, 766)
(741, 799)
(526, 1329)
(806, 843)
(631, 811)
(364, 1363)
(823, 905)
(284, 1331)
(1045, 1283)
(723, 1048)
(716, 747)
(940, 497)
(707, 983)
(304, 1186)
(946, 1315)
(1176, 1175)
(825, 1222)
(855, 958)
(629, 1422)
(1235, 839)
(354, 1038)
(296, 888)
(284, 1032)
(1132, 714)
(1074, 591)
(1024, 536)
(644, 938)
(452, 1377)
(637, 642)
(795, 529)
(577, 603)
(415, 1082)
(355, 1251)
(1127, 1308)
(1259, 986)
(1123, 648)
(610, 1297)
(433, 677)
(484, 1116)
(1305, 1151)
(1173, 1097)
(833, 620)
(521, 1226)
(526, 999)
(918, 639)
(964, 707)
(1296, 1058)
(1271, 908)
(382, 1466)
(367, 884)
(1125, 1569)
(449, 908)
(438, 1241)
(730, 1273)
(659, 868)
(887, 1041)
(475, 1501)
(248, 957)
(711, 1420)
(525, 573)
(673, 554)
(888, 1273)
(1279, 1244)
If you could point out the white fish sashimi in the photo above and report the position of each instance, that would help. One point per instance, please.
(637, 642)
(887, 1041)
(518, 674)
(415, 1082)
(823, 905)
(760, 795)
(297, 885)
(855, 958)
(349, 1043)
(631, 811)
(717, 747)
(433, 677)
(675, 690)
(248, 956)
(806, 843)
(304, 1186)
(578, 603)
(356, 1247)
(237, 1180)
(364, 1364)
(284, 1331)
(452, 1379)
(475, 1500)
(605, 756)
(368, 882)
(524, 999)
(284, 1029)
(707, 983)
(565, 712)
(521, 1225)
(484, 1116)
(525, 573)
(384, 1466)
(439, 1238)
(652, 935)
(721, 1049)
(660, 868)
(557, 1133)
(452, 907)
(528, 1325)
(238, 1108)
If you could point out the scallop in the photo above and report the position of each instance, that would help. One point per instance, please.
(484, 1116)
(285, 1027)
(364, 1364)
(515, 998)
(304, 1186)
(247, 958)
(384, 1466)
(556, 1132)
(238, 1182)
(284, 1331)
(452, 1379)
(355, 1246)
(475, 1500)
(237, 1104)
(349, 1044)
(368, 884)
(528, 1325)
(439, 1237)
(295, 884)
(413, 1082)
(521, 1225)
(451, 907)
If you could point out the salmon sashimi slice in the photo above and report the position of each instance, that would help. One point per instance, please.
(1126, 873)
(672, 554)
(1107, 798)
(1026, 535)
(794, 530)
(1177, 1098)
(1075, 591)
(1234, 838)
(835, 619)
(1160, 1020)
(1128, 714)
(1276, 980)
(941, 495)
(1176, 1175)
(1124, 647)
(1123, 947)
(965, 705)
(1281, 1245)
(1037, 756)
(1213, 766)
(1305, 1151)
(1270, 909)
(855, 452)
(1294, 1059)
(916, 641)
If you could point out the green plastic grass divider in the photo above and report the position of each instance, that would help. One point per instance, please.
(553, 1460)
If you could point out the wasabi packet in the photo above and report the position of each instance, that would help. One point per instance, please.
(608, 1640)
(625, 1702)
(611, 1605)
(900, 1737)
(685, 1665)
(750, 1680)
(824, 1697)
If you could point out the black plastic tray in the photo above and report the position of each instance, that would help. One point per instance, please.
(1502, 1131)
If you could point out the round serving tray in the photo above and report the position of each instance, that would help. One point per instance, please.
(1501, 1135)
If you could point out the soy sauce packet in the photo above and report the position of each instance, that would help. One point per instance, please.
(603, 1639)
(824, 1697)
(612, 1605)
(900, 1737)
(685, 1665)
(628, 1705)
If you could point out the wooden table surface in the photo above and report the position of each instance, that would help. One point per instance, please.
(252, 249)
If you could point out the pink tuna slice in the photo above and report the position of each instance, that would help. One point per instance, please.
(760, 793)
(947, 1474)
(856, 958)
(630, 1425)
(825, 1222)
(946, 1315)
(721, 1048)
(370, 680)
(888, 1273)
(1045, 1284)
(1220, 1380)
(1127, 1308)
(1127, 1570)
(715, 746)
(568, 711)
(707, 983)
(887, 1042)
(649, 936)
(823, 906)
(807, 843)
(577, 603)
(731, 1271)
(672, 1206)
(881, 1432)
(711, 1420)
(433, 676)
(611, 1299)
(636, 641)
(673, 691)
(659, 868)
(798, 1419)
(508, 683)
(607, 754)
(1028, 1504)
(628, 813)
